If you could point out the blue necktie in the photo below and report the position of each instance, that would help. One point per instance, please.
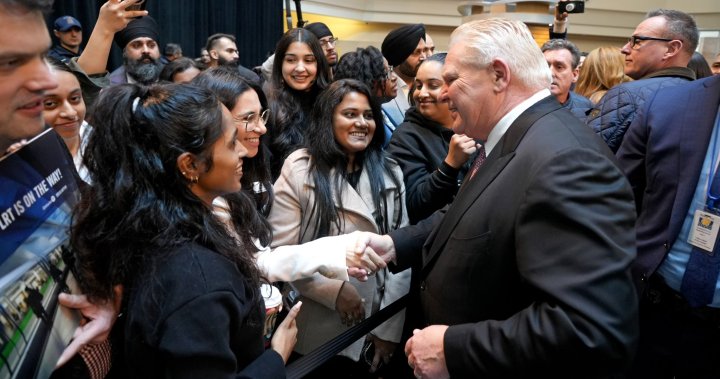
(701, 273)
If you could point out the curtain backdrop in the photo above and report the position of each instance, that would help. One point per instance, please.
(257, 24)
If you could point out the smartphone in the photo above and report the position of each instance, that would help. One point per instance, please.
(571, 7)
(139, 6)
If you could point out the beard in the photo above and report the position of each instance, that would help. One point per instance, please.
(222, 61)
(143, 72)
(408, 70)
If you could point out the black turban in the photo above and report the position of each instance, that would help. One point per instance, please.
(139, 27)
(319, 29)
(401, 42)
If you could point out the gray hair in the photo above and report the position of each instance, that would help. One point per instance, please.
(508, 40)
(680, 25)
(559, 44)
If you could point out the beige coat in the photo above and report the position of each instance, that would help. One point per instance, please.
(318, 320)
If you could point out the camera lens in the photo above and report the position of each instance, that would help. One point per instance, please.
(570, 7)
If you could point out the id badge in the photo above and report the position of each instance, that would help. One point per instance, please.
(704, 231)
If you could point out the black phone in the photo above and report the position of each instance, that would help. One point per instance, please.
(139, 6)
(571, 7)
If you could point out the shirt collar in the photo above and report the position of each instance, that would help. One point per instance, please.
(504, 124)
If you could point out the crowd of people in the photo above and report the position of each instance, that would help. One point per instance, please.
(547, 213)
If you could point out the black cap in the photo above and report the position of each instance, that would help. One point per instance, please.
(139, 27)
(319, 29)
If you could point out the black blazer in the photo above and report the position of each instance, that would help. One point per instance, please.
(530, 264)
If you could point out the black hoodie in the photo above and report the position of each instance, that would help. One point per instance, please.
(420, 146)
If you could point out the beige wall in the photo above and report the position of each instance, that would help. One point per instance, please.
(606, 22)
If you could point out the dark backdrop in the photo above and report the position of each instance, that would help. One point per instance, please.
(257, 24)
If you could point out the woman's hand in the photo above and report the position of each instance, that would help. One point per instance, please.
(349, 305)
(97, 321)
(383, 351)
(461, 148)
(285, 337)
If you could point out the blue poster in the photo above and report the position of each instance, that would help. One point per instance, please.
(38, 190)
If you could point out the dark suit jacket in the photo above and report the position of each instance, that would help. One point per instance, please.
(662, 155)
(530, 263)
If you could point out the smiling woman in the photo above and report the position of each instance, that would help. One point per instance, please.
(300, 73)
(158, 158)
(342, 182)
(64, 111)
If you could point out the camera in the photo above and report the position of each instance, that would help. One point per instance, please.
(571, 7)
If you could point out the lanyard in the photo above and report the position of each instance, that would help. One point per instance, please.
(713, 198)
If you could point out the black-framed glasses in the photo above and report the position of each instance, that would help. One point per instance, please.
(329, 41)
(388, 72)
(255, 119)
(633, 41)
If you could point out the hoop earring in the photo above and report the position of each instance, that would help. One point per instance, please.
(194, 179)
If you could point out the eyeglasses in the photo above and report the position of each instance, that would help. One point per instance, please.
(633, 41)
(388, 72)
(255, 120)
(327, 42)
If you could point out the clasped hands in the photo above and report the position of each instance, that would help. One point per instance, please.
(366, 253)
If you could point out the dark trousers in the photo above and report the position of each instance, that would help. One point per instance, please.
(676, 341)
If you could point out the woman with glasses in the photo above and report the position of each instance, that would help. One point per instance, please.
(434, 159)
(370, 67)
(300, 72)
(248, 106)
(340, 183)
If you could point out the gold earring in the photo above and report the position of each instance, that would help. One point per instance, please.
(195, 179)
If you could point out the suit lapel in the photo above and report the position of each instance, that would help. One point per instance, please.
(697, 124)
(496, 162)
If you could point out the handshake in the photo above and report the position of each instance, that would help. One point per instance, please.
(366, 253)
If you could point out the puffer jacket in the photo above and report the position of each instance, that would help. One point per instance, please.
(611, 117)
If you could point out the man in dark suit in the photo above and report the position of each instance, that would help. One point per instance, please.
(526, 274)
(669, 154)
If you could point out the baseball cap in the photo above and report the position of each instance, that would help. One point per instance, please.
(64, 23)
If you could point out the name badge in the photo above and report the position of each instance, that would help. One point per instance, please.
(704, 231)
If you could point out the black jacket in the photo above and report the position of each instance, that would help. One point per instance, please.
(420, 146)
(196, 317)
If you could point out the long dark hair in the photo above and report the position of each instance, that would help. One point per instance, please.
(327, 155)
(140, 205)
(290, 109)
(228, 85)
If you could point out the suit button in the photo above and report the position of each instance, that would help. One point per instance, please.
(422, 286)
(666, 246)
(643, 278)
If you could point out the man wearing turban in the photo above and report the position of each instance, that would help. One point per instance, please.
(141, 54)
(404, 48)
